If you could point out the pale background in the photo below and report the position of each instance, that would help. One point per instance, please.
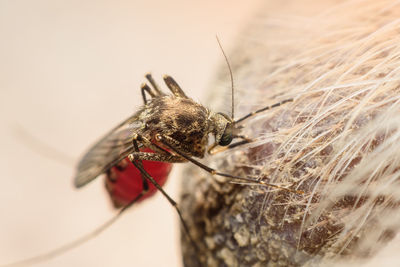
(71, 70)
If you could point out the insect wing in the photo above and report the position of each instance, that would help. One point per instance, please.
(107, 152)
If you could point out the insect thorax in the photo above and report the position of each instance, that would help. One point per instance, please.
(181, 119)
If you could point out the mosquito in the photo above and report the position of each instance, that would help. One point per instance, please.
(167, 129)
(175, 128)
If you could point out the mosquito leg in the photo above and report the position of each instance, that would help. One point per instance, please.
(138, 164)
(151, 179)
(156, 148)
(156, 157)
(153, 83)
(153, 92)
(263, 109)
(174, 87)
(171, 201)
(145, 88)
(160, 154)
(168, 141)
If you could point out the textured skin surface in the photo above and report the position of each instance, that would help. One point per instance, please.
(228, 223)
(318, 143)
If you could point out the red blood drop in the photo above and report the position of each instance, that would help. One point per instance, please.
(124, 182)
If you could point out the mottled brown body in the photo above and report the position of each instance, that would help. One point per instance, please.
(181, 119)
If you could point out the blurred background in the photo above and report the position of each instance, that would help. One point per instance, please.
(70, 71)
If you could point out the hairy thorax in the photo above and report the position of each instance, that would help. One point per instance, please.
(182, 119)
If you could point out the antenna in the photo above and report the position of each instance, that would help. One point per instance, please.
(230, 73)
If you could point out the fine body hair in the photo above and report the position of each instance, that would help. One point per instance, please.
(338, 141)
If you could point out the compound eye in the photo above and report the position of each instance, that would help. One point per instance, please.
(226, 139)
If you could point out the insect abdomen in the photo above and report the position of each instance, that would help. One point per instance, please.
(124, 182)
